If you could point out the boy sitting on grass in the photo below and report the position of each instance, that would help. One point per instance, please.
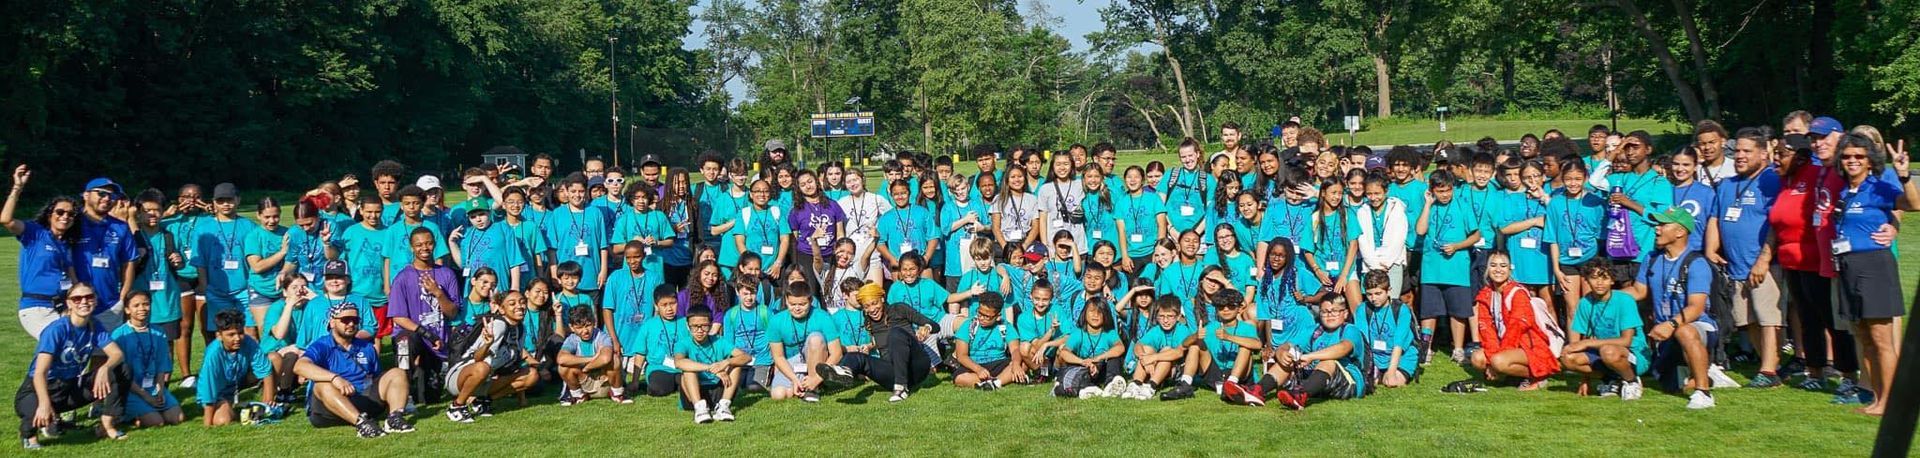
(1605, 337)
(710, 369)
(586, 359)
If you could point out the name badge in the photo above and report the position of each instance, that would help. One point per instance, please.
(99, 262)
(309, 276)
(1574, 251)
(66, 284)
(1253, 271)
(906, 248)
(1186, 210)
(1098, 234)
(1733, 214)
(230, 264)
(466, 272)
(1135, 238)
(580, 249)
(766, 251)
(1841, 245)
(156, 285)
(1379, 345)
(1530, 243)
(1333, 265)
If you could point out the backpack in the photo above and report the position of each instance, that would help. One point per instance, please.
(1543, 316)
(1719, 293)
(464, 337)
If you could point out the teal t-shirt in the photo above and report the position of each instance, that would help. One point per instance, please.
(907, 230)
(1222, 351)
(1574, 225)
(1387, 328)
(629, 297)
(157, 277)
(762, 229)
(985, 345)
(972, 277)
(850, 324)
(1032, 324)
(1322, 338)
(633, 225)
(713, 350)
(923, 295)
(568, 301)
(657, 338)
(263, 243)
(399, 249)
(747, 328)
(1447, 223)
(221, 251)
(1239, 267)
(1085, 343)
(1142, 214)
(494, 247)
(364, 250)
(292, 336)
(578, 236)
(1293, 326)
(959, 244)
(1528, 248)
(724, 207)
(1480, 203)
(1606, 320)
(1180, 280)
(791, 333)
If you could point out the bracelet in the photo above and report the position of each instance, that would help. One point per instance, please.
(1903, 179)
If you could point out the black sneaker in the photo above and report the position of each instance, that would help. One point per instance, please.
(460, 413)
(397, 424)
(838, 375)
(1182, 391)
(481, 406)
(367, 428)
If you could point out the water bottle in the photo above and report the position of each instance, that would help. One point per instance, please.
(403, 350)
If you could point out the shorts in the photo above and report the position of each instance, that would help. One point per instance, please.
(217, 303)
(453, 376)
(137, 406)
(799, 364)
(710, 394)
(1445, 300)
(660, 383)
(171, 329)
(257, 300)
(321, 417)
(1593, 360)
(1758, 304)
(1868, 286)
(993, 368)
(1340, 385)
(1668, 356)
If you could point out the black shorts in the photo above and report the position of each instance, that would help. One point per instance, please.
(992, 368)
(1445, 300)
(1869, 286)
(708, 393)
(657, 384)
(368, 405)
(171, 328)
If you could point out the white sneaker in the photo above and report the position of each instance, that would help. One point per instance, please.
(1139, 391)
(1459, 356)
(1092, 392)
(188, 382)
(1630, 391)
(724, 411)
(1700, 400)
(1115, 388)
(1720, 378)
(701, 416)
(898, 395)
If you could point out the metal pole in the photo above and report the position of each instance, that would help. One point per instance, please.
(613, 77)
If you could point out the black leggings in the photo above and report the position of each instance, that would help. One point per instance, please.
(1813, 303)
(900, 361)
(68, 395)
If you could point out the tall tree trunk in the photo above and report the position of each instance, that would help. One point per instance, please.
(1506, 82)
(1820, 72)
(1179, 78)
(1707, 93)
(1381, 80)
(1689, 100)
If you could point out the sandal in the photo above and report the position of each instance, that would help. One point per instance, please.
(1464, 386)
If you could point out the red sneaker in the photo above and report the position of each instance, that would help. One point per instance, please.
(1233, 393)
(1293, 400)
(1256, 396)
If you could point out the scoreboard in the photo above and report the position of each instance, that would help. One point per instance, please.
(829, 125)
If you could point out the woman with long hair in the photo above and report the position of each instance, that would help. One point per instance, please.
(45, 243)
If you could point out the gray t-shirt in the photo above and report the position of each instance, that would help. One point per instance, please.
(503, 351)
(1016, 215)
(1058, 199)
(600, 343)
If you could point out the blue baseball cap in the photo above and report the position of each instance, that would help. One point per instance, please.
(104, 183)
(1823, 126)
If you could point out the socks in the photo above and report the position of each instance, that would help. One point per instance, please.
(1187, 379)
(899, 387)
(619, 391)
(1316, 382)
(1268, 383)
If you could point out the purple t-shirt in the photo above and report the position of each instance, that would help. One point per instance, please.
(807, 217)
(408, 299)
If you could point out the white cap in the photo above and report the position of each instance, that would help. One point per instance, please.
(428, 183)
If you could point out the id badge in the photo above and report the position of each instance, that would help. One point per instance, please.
(906, 248)
(1186, 210)
(1097, 234)
(66, 284)
(309, 276)
(1575, 252)
(580, 249)
(1530, 243)
(1733, 215)
(1333, 265)
(230, 264)
(156, 285)
(766, 251)
(1379, 345)
(1842, 246)
(1135, 238)
(100, 262)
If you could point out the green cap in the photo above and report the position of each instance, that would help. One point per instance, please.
(1675, 215)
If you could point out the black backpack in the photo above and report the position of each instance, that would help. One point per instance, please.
(1720, 293)
(465, 336)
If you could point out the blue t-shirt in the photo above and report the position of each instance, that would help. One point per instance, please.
(1291, 221)
(1668, 292)
(262, 243)
(1031, 323)
(657, 337)
(1321, 338)
(1222, 351)
(104, 247)
(713, 350)
(985, 345)
(1447, 223)
(850, 324)
(222, 371)
(1180, 280)
(44, 261)
(1574, 225)
(1103, 219)
(399, 244)
(221, 245)
(1186, 193)
(1741, 211)
(364, 250)
(71, 346)
(357, 363)
(762, 229)
(1332, 236)
(1087, 344)
(959, 244)
(747, 328)
(630, 299)
(1607, 319)
(1239, 267)
(1157, 338)
(907, 230)
(972, 277)
(578, 236)
(1142, 214)
(1480, 203)
(1294, 324)
(147, 355)
(724, 207)
(791, 333)
(1862, 211)
(923, 295)
(494, 247)
(1388, 328)
(1526, 249)
(1697, 198)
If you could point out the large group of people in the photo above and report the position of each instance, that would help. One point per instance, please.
(1291, 271)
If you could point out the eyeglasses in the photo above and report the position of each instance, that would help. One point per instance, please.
(102, 193)
(80, 298)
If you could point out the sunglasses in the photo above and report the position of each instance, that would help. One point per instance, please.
(80, 298)
(102, 193)
(348, 320)
(1854, 156)
(63, 212)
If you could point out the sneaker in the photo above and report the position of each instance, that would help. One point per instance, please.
(1115, 387)
(481, 407)
(1256, 396)
(810, 396)
(724, 411)
(459, 413)
(1092, 392)
(1700, 400)
(1233, 393)
(1182, 391)
(1630, 391)
(30, 444)
(838, 375)
(1793, 366)
(367, 428)
(1846, 392)
(1830, 372)
(1459, 355)
(898, 395)
(620, 398)
(570, 399)
(188, 383)
(1140, 392)
(701, 416)
(1295, 400)
(397, 424)
(988, 385)
(1719, 377)
(1764, 380)
(1607, 389)
(1813, 384)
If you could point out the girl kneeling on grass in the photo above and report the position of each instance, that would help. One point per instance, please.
(1094, 350)
(1518, 337)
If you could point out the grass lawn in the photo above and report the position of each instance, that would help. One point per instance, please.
(1417, 420)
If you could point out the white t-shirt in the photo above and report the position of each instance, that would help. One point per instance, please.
(1016, 215)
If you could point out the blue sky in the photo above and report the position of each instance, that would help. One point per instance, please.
(1075, 19)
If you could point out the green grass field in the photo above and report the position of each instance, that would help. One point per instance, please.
(1416, 420)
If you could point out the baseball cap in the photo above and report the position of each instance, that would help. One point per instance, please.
(649, 159)
(1216, 156)
(1376, 162)
(1446, 156)
(225, 191)
(1824, 126)
(478, 209)
(334, 268)
(342, 309)
(428, 182)
(1036, 252)
(104, 183)
(1675, 215)
(596, 182)
(775, 144)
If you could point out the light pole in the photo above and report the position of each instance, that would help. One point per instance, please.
(613, 77)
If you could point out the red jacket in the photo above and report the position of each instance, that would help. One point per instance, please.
(1511, 325)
